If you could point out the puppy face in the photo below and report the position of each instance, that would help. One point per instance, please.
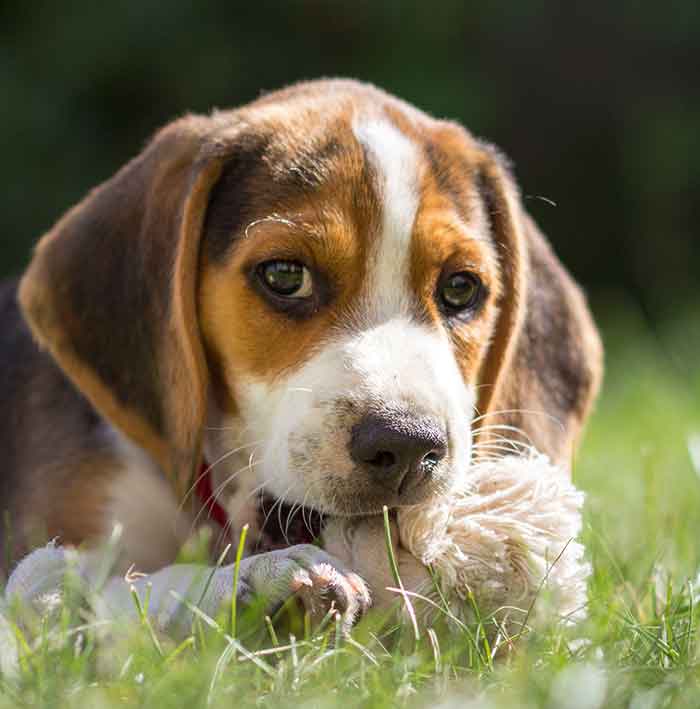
(314, 288)
(348, 282)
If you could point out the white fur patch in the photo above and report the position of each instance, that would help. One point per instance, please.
(154, 526)
(302, 418)
(396, 162)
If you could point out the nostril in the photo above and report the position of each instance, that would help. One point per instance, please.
(383, 459)
(430, 460)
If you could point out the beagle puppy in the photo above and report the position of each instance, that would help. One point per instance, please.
(320, 303)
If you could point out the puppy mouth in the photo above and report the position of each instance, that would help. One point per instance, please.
(283, 525)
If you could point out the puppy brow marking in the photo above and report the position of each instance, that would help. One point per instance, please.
(271, 218)
(395, 160)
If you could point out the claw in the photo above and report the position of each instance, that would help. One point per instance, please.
(320, 582)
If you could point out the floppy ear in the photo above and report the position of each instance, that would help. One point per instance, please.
(544, 365)
(110, 293)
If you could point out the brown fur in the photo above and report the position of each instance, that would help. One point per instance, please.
(142, 296)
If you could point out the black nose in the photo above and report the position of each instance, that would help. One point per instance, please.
(400, 451)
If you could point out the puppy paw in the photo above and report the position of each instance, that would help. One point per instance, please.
(318, 580)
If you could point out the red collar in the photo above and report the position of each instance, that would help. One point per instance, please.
(205, 492)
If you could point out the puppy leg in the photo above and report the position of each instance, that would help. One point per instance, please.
(318, 580)
(321, 583)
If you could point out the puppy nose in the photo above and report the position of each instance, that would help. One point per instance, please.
(400, 451)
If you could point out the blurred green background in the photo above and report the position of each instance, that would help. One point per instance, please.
(598, 105)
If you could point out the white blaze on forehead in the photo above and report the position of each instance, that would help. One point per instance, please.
(395, 160)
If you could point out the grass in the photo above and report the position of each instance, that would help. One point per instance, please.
(640, 466)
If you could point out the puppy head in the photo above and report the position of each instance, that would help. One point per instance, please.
(343, 279)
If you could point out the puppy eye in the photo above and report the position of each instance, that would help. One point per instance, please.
(289, 279)
(461, 291)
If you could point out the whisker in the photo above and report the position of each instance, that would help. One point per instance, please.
(504, 427)
(276, 503)
(220, 488)
(514, 442)
(307, 524)
(292, 511)
(258, 488)
(533, 412)
(216, 492)
(231, 452)
(248, 466)
(279, 513)
(497, 427)
(295, 508)
(503, 450)
(255, 491)
(210, 467)
(496, 445)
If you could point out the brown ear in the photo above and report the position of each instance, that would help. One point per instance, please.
(544, 366)
(110, 293)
